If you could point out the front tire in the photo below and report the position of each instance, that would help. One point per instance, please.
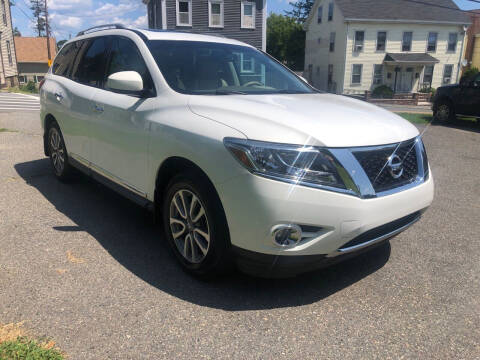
(58, 153)
(195, 226)
(444, 112)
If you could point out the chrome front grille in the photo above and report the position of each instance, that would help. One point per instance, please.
(375, 163)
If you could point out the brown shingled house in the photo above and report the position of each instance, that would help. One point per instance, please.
(32, 57)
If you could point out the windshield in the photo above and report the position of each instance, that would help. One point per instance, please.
(205, 68)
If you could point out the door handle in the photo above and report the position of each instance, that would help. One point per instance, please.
(98, 108)
(59, 96)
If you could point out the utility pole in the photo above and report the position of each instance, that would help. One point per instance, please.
(47, 32)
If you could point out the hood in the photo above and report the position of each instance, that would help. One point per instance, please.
(310, 119)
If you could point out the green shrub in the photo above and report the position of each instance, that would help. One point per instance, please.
(29, 87)
(470, 72)
(382, 92)
(427, 90)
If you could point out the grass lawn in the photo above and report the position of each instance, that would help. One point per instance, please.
(417, 118)
(15, 345)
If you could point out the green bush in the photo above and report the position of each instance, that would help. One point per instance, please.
(427, 90)
(29, 87)
(470, 73)
(382, 92)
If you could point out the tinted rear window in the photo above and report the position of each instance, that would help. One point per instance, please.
(63, 62)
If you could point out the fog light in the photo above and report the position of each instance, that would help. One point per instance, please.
(285, 235)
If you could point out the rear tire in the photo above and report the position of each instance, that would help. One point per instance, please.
(195, 226)
(444, 112)
(58, 153)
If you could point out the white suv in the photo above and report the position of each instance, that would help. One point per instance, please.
(243, 161)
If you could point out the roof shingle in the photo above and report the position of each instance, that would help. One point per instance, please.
(34, 49)
(410, 10)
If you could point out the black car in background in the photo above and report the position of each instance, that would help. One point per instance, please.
(457, 100)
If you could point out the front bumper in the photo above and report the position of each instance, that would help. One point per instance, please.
(253, 205)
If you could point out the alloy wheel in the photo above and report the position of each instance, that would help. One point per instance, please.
(189, 226)
(57, 151)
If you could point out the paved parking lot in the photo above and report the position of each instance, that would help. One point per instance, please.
(86, 267)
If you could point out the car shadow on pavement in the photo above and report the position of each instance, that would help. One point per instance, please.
(128, 234)
(461, 124)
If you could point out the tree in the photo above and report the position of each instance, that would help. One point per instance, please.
(470, 73)
(16, 32)
(286, 41)
(301, 10)
(38, 9)
(60, 44)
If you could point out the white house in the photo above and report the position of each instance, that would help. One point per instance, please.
(357, 45)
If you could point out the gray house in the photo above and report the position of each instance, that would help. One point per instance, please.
(243, 20)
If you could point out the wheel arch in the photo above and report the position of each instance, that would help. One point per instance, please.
(175, 165)
(49, 119)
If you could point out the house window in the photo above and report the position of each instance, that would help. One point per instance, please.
(248, 15)
(447, 74)
(330, 11)
(432, 42)
(247, 63)
(319, 14)
(215, 13)
(407, 41)
(357, 73)
(378, 74)
(428, 76)
(22, 79)
(381, 40)
(359, 39)
(4, 15)
(452, 42)
(330, 76)
(9, 53)
(184, 12)
(332, 42)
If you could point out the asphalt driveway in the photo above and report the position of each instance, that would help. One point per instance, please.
(86, 267)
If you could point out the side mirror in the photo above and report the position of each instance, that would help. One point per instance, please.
(125, 81)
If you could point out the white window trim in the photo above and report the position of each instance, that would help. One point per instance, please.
(451, 74)
(242, 14)
(320, 12)
(210, 2)
(361, 75)
(355, 42)
(189, 13)
(423, 74)
(436, 42)
(383, 75)
(401, 42)
(334, 41)
(242, 70)
(448, 43)
(386, 40)
(332, 6)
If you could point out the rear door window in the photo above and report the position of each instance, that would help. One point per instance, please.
(63, 61)
(90, 69)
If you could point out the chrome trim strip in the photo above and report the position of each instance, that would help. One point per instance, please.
(355, 170)
(373, 241)
(107, 175)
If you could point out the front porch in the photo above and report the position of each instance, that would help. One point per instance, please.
(408, 73)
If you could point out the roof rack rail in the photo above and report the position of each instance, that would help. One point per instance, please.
(101, 27)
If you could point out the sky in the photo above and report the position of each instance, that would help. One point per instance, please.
(68, 17)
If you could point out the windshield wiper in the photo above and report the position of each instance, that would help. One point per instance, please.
(229, 92)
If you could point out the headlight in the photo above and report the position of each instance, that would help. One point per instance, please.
(304, 165)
